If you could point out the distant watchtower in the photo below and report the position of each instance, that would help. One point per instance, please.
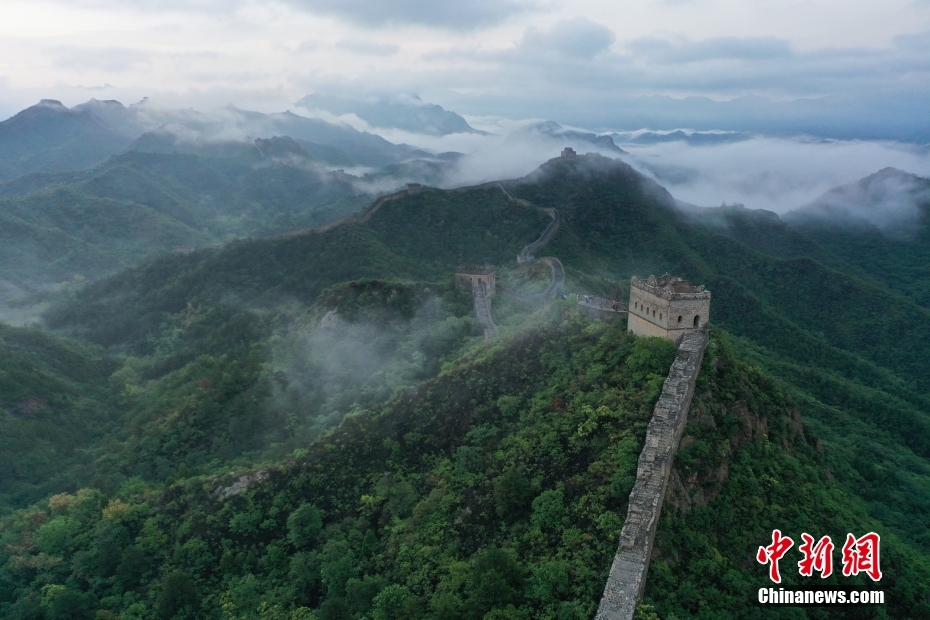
(668, 307)
(471, 275)
(569, 153)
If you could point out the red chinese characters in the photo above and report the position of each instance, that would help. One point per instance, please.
(817, 557)
(860, 555)
(773, 553)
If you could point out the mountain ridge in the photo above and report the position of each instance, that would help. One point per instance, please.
(509, 458)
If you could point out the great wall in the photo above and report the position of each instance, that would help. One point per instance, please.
(527, 254)
(626, 580)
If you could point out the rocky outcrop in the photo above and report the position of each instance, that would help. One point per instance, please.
(627, 578)
(240, 484)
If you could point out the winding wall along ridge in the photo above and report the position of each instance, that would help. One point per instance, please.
(627, 578)
(482, 297)
(526, 255)
(350, 219)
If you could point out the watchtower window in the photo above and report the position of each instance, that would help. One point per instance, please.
(679, 319)
(660, 316)
(697, 320)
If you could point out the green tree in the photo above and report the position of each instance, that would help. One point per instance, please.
(396, 602)
(304, 525)
(512, 493)
(178, 593)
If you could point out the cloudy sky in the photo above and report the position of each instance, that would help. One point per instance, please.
(591, 63)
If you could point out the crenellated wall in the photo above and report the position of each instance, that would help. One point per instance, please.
(627, 579)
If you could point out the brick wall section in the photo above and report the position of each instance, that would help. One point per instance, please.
(627, 579)
(480, 292)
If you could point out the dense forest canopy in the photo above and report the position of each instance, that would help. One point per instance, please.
(314, 427)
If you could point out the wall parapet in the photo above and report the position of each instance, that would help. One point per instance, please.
(626, 581)
(670, 287)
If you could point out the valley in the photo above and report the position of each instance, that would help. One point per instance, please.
(277, 403)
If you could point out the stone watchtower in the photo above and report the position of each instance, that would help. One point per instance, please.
(668, 307)
(471, 275)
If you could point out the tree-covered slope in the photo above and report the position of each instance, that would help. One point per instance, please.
(879, 224)
(48, 137)
(420, 237)
(54, 403)
(812, 413)
(849, 348)
(139, 205)
(495, 490)
(749, 464)
(831, 334)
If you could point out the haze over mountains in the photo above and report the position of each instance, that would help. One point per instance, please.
(208, 306)
(407, 112)
(50, 138)
(180, 179)
(316, 310)
(320, 374)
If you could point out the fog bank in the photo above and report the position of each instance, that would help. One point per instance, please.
(769, 173)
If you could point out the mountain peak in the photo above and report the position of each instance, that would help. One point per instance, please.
(552, 131)
(890, 200)
(404, 112)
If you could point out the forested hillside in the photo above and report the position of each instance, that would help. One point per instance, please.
(58, 227)
(85, 192)
(55, 402)
(313, 427)
(48, 137)
(495, 490)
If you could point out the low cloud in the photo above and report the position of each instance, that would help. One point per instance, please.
(890, 200)
(769, 173)
(447, 14)
(324, 369)
(684, 51)
(357, 46)
(577, 38)
(113, 59)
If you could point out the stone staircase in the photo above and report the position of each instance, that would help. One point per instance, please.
(483, 309)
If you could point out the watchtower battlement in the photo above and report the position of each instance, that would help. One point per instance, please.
(468, 276)
(668, 307)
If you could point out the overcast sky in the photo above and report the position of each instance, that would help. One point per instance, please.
(577, 62)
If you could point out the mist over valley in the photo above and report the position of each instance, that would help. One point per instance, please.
(445, 311)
